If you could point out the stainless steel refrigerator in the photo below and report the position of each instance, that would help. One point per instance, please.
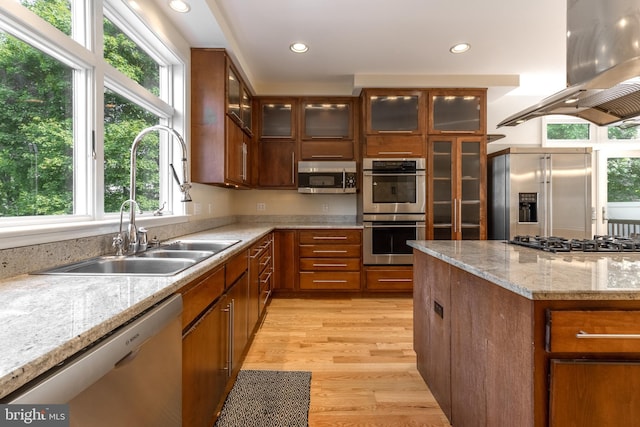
(540, 192)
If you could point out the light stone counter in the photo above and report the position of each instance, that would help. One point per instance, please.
(540, 275)
(45, 319)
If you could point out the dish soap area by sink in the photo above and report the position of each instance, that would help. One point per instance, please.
(165, 260)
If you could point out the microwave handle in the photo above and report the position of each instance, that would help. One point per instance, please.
(344, 180)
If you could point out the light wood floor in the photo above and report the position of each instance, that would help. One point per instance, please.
(360, 353)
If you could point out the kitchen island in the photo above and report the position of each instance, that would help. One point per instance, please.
(511, 336)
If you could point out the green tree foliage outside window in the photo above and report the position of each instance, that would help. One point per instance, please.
(568, 131)
(623, 179)
(36, 123)
(616, 132)
(36, 143)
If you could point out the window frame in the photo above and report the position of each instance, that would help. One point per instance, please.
(91, 75)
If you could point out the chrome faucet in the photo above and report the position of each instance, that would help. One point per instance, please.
(136, 240)
(130, 239)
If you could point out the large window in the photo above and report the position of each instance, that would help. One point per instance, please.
(36, 132)
(70, 112)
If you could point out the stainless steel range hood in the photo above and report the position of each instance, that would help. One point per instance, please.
(603, 65)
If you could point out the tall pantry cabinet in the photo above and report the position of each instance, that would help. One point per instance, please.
(456, 175)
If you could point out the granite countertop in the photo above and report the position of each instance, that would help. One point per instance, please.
(540, 275)
(45, 319)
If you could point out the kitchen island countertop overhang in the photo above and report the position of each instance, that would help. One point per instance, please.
(540, 275)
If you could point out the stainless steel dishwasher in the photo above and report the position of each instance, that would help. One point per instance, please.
(132, 377)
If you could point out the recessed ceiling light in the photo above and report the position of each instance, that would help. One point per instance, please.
(460, 48)
(299, 47)
(179, 6)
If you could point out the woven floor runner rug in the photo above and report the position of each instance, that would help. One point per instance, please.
(267, 398)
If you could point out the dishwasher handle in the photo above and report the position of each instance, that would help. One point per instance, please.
(77, 373)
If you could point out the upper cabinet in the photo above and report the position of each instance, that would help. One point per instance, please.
(394, 122)
(460, 111)
(327, 128)
(277, 144)
(246, 111)
(221, 137)
(389, 111)
(278, 119)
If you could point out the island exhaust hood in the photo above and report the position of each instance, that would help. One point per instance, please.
(603, 65)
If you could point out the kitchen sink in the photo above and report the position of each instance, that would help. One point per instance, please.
(171, 253)
(214, 246)
(166, 260)
(124, 265)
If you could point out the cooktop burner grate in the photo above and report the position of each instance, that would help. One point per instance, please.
(597, 244)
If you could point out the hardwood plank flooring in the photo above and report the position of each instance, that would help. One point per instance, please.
(360, 353)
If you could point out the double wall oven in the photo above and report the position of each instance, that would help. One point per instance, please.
(394, 201)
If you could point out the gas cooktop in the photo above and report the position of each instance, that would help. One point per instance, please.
(597, 244)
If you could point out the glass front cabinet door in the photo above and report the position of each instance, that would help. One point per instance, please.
(456, 197)
(327, 129)
(461, 111)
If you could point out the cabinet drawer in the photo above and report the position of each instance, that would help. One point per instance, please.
(326, 150)
(330, 251)
(395, 146)
(197, 298)
(330, 237)
(235, 267)
(389, 279)
(329, 264)
(264, 260)
(330, 280)
(616, 331)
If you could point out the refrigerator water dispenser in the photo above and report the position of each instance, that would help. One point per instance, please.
(528, 207)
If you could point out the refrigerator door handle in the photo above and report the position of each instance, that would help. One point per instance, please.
(549, 196)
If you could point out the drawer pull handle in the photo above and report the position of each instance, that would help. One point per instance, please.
(329, 265)
(395, 280)
(329, 252)
(583, 334)
(329, 281)
(329, 237)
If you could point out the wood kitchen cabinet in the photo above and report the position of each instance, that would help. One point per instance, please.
(594, 372)
(277, 144)
(388, 278)
(473, 345)
(492, 357)
(205, 349)
(217, 329)
(394, 122)
(221, 139)
(327, 128)
(285, 256)
(260, 277)
(456, 188)
(459, 111)
(330, 259)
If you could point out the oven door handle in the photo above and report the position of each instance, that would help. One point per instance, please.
(394, 226)
(394, 173)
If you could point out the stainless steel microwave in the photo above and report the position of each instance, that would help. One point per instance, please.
(335, 177)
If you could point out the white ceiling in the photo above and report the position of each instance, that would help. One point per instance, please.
(384, 43)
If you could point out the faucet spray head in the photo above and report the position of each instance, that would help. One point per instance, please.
(184, 187)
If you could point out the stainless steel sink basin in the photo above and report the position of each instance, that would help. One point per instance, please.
(214, 246)
(172, 254)
(125, 266)
(165, 260)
